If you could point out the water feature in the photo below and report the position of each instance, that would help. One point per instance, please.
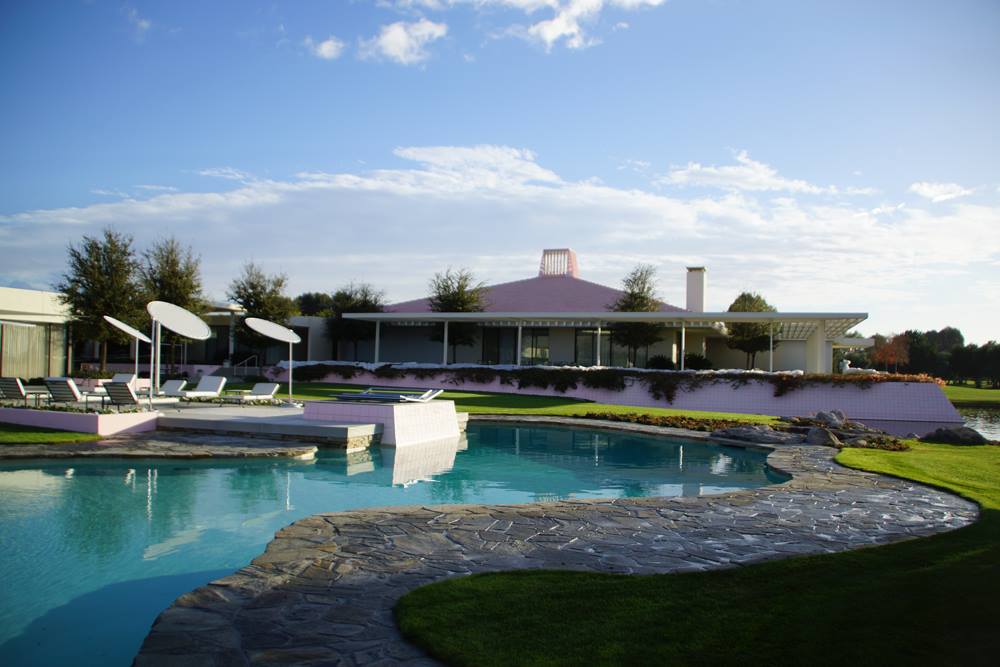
(93, 550)
(984, 420)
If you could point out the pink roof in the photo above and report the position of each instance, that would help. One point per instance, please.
(541, 294)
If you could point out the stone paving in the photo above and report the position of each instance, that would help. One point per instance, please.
(165, 445)
(323, 591)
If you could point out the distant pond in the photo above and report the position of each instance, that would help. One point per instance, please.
(984, 420)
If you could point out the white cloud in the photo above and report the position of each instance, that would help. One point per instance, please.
(939, 192)
(330, 48)
(140, 26)
(493, 208)
(748, 175)
(104, 192)
(228, 173)
(157, 188)
(402, 42)
(568, 24)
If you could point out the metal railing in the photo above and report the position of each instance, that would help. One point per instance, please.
(245, 364)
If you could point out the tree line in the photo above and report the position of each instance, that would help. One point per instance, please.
(942, 353)
(107, 275)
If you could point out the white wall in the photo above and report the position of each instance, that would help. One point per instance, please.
(789, 355)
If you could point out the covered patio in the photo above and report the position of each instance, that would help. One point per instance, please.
(817, 333)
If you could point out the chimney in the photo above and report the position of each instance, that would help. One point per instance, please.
(559, 262)
(696, 289)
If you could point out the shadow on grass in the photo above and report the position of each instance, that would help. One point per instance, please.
(100, 628)
(928, 601)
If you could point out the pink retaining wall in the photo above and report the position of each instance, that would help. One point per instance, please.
(887, 401)
(81, 422)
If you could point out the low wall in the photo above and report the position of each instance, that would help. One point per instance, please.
(403, 424)
(81, 422)
(918, 407)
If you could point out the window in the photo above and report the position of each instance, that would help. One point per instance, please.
(612, 353)
(534, 346)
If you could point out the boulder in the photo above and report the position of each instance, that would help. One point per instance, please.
(818, 435)
(760, 434)
(956, 435)
(832, 419)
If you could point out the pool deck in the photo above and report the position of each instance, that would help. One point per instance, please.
(154, 445)
(323, 591)
(269, 421)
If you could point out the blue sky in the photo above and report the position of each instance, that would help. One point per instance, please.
(831, 155)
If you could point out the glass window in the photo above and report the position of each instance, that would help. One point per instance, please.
(534, 346)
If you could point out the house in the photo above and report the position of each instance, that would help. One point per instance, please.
(34, 333)
(559, 318)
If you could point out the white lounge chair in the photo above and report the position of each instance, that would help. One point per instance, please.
(262, 391)
(390, 395)
(127, 378)
(173, 388)
(209, 386)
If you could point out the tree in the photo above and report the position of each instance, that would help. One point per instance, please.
(638, 296)
(172, 273)
(101, 280)
(892, 351)
(353, 298)
(456, 292)
(261, 295)
(751, 337)
(315, 303)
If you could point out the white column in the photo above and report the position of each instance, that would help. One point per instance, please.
(816, 348)
(152, 360)
(683, 344)
(444, 356)
(378, 334)
(770, 348)
(290, 364)
(518, 361)
(159, 336)
(598, 358)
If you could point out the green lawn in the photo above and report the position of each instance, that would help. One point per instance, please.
(970, 397)
(12, 434)
(493, 403)
(927, 601)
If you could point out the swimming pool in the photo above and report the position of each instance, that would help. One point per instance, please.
(93, 550)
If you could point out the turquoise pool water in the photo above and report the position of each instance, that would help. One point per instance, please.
(92, 551)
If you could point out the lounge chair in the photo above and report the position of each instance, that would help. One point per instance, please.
(12, 389)
(128, 378)
(262, 391)
(64, 390)
(209, 386)
(173, 388)
(390, 395)
(120, 393)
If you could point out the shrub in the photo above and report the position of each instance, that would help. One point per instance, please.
(560, 380)
(697, 362)
(388, 372)
(477, 375)
(87, 373)
(605, 378)
(660, 363)
(662, 386)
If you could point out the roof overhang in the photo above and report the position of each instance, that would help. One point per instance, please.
(793, 326)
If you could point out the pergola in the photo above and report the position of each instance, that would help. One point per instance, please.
(813, 328)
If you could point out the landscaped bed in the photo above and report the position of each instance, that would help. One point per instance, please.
(927, 601)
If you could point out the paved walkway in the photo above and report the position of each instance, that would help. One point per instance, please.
(165, 445)
(323, 591)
